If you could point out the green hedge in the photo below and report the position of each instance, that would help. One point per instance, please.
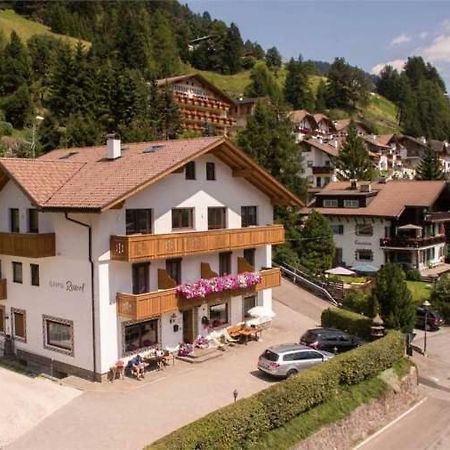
(239, 425)
(348, 321)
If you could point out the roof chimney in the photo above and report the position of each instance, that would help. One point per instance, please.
(113, 150)
(353, 184)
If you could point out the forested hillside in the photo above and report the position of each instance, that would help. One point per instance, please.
(89, 68)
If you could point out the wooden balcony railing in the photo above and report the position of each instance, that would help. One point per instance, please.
(438, 216)
(152, 304)
(402, 242)
(322, 170)
(158, 246)
(29, 245)
(3, 295)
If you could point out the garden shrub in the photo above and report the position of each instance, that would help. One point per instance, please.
(348, 321)
(240, 425)
(413, 275)
(370, 359)
(357, 302)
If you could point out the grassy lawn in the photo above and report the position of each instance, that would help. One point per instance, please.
(383, 113)
(420, 291)
(349, 279)
(347, 399)
(25, 28)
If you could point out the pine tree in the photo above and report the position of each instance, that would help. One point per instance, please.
(15, 68)
(165, 51)
(353, 161)
(316, 246)
(394, 298)
(269, 139)
(49, 134)
(18, 107)
(321, 97)
(263, 83)
(347, 86)
(430, 167)
(233, 50)
(296, 89)
(273, 59)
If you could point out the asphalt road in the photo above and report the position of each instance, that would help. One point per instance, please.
(427, 426)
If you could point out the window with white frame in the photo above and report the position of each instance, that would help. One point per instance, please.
(58, 334)
(349, 203)
(364, 254)
(364, 229)
(330, 203)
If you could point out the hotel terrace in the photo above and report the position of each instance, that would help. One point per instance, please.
(99, 247)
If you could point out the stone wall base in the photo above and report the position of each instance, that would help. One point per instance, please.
(54, 368)
(366, 419)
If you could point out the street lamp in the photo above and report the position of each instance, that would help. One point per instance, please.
(33, 136)
(425, 305)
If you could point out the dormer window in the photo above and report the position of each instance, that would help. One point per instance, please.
(351, 203)
(189, 170)
(330, 203)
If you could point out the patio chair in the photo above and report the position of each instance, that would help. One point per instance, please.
(228, 339)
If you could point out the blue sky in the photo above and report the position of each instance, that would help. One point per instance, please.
(367, 33)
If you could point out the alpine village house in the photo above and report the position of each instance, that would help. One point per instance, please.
(102, 248)
(386, 221)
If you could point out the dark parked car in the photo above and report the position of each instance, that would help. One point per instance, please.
(330, 340)
(434, 319)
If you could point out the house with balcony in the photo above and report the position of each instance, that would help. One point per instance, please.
(394, 221)
(106, 251)
(318, 162)
(201, 103)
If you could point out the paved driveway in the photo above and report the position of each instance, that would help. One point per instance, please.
(26, 401)
(115, 416)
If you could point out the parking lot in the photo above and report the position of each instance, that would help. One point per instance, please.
(129, 414)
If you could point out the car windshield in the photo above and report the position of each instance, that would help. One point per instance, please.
(271, 356)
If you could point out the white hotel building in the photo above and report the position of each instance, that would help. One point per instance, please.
(394, 221)
(95, 240)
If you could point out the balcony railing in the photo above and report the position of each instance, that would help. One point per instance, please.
(401, 242)
(3, 295)
(152, 304)
(438, 216)
(29, 245)
(316, 170)
(160, 246)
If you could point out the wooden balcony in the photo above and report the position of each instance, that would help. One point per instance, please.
(411, 243)
(142, 247)
(438, 217)
(153, 304)
(326, 170)
(29, 245)
(3, 295)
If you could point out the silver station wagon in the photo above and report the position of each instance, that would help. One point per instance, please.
(288, 359)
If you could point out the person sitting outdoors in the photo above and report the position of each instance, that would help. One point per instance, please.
(138, 367)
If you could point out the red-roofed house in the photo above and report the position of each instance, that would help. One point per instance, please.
(396, 221)
(102, 249)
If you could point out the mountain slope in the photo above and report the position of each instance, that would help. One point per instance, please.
(25, 28)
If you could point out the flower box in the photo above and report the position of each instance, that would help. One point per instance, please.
(204, 287)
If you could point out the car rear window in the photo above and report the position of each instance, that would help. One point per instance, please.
(271, 356)
(309, 337)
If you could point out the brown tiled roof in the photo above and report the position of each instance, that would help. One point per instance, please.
(391, 198)
(341, 124)
(200, 78)
(327, 148)
(298, 115)
(438, 146)
(82, 178)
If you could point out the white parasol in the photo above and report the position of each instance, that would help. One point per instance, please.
(261, 311)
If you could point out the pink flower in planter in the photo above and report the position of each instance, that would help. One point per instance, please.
(203, 288)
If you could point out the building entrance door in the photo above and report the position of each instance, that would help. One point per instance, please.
(189, 325)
